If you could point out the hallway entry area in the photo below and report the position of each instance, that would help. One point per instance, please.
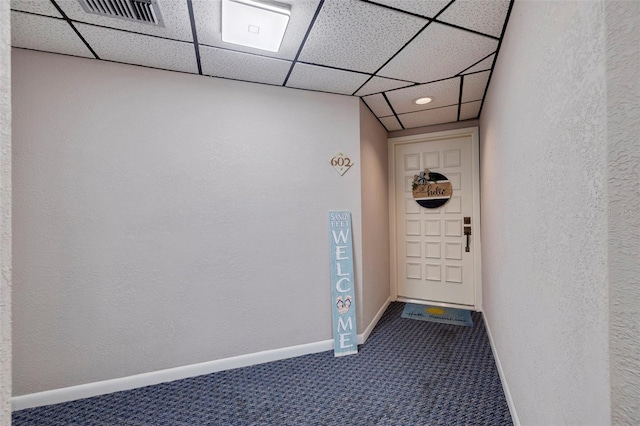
(410, 372)
(435, 219)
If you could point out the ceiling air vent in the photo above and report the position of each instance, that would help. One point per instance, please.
(145, 11)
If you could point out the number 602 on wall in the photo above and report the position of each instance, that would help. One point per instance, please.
(341, 163)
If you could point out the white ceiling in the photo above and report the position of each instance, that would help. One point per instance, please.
(388, 52)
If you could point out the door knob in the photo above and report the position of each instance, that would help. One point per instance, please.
(467, 232)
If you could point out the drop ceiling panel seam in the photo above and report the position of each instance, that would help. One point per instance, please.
(64, 15)
(472, 15)
(245, 53)
(25, 12)
(401, 49)
(392, 110)
(394, 74)
(377, 118)
(194, 33)
(243, 66)
(495, 58)
(59, 36)
(44, 8)
(356, 35)
(357, 72)
(435, 18)
(474, 64)
(334, 68)
(304, 40)
(460, 95)
(155, 52)
(453, 48)
(363, 84)
(458, 27)
(386, 6)
(391, 123)
(418, 84)
(429, 109)
(378, 81)
(128, 31)
(440, 11)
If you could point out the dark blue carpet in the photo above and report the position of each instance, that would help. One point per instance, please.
(408, 373)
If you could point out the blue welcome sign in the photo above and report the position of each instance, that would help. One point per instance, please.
(342, 284)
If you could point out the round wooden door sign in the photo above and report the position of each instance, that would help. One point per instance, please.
(431, 190)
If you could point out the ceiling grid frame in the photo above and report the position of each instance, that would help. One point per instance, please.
(478, 20)
(66, 18)
(460, 92)
(495, 58)
(194, 31)
(304, 40)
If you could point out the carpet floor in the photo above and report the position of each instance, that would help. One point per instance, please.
(409, 372)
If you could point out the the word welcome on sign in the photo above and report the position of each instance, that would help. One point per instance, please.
(342, 284)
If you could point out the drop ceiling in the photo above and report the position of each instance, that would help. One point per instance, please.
(387, 52)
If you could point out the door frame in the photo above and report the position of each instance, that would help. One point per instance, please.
(475, 235)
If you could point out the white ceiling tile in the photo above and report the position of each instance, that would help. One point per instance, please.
(429, 117)
(359, 36)
(379, 84)
(208, 25)
(323, 79)
(378, 105)
(470, 110)
(474, 85)
(443, 93)
(46, 34)
(428, 8)
(36, 6)
(138, 49)
(483, 65)
(485, 16)
(438, 52)
(349, 41)
(175, 15)
(243, 66)
(391, 123)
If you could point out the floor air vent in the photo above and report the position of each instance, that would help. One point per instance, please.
(145, 11)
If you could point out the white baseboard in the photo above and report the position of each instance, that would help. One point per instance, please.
(503, 380)
(367, 331)
(88, 390)
(71, 393)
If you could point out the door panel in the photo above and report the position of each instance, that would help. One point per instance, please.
(432, 264)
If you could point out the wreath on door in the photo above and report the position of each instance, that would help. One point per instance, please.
(431, 190)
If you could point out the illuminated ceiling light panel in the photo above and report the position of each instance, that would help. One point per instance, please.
(254, 24)
(422, 101)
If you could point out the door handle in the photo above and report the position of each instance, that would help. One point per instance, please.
(467, 232)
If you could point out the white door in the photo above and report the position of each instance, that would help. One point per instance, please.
(435, 262)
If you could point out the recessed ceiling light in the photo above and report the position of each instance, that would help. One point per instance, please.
(254, 24)
(422, 101)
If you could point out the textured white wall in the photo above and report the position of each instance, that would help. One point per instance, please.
(623, 130)
(544, 222)
(375, 216)
(164, 219)
(5, 214)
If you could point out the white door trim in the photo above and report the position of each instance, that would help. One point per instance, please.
(476, 234)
